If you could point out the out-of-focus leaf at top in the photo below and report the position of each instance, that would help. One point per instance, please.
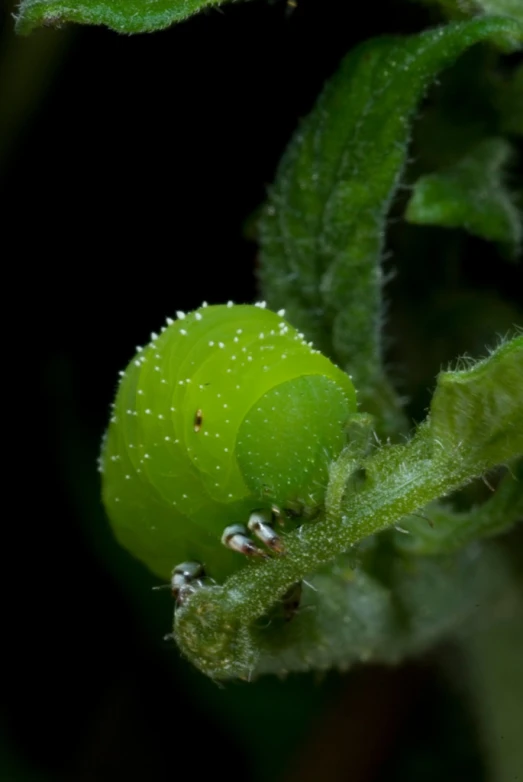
(124, 16)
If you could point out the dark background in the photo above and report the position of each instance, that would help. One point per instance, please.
(131, 168)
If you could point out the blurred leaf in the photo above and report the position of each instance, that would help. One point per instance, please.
(512, 8)
(461, 112)
(124, 16)
(510, 104)
(493, 659)
(454, 9)
(323, 229)
(471, 194)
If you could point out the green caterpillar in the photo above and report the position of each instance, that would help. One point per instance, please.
(223, 421)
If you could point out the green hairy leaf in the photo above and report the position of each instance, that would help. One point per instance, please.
(479, 411)
(471, 194)
(443, 530)
(463, 9)
(124, 16)
(325, 220)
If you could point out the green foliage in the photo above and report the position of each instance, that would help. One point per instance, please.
(371, 591)
(511, 104)
(479, 410)
(139, 16)
(322, 239)
(443, 530)
(380, 582)
(463, 437)
(324, 226)
(458, 9)
(369, 241)
(124, 16)
(471, 194)
(493, 658)
(512, 8)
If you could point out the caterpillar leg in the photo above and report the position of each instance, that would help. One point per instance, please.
(186, 578)
(237, 538)
(260, 524)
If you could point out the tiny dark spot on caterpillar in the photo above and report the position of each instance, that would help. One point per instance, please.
(198, 420)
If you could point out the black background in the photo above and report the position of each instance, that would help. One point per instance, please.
(127, 186)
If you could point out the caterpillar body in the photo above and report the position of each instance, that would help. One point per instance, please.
(225, 418)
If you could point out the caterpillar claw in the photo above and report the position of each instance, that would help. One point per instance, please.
(186, 578)
(236, 538)
(260, 525)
